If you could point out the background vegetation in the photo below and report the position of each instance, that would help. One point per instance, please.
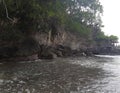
(21, 19)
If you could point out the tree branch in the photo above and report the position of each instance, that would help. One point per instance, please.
(7, 15)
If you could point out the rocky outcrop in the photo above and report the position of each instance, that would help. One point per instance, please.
(46, 52)
(44, 46)
(50, 52)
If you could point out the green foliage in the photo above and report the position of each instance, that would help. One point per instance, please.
(74, 26)
(46, 15)
(29, 12)
(102, 39)
(113, 39)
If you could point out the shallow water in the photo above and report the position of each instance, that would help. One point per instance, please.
(99, 74)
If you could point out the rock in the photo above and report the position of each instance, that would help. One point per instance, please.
(83, 54)
(58, 53)
(33, 57)
(47, 55)
(54, 55)
(47, 52)
(64, 50)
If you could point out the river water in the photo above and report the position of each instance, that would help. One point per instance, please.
(99, 74)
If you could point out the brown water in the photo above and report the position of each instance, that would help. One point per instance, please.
(62, 75)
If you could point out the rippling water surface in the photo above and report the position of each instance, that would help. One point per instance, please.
(99, 74)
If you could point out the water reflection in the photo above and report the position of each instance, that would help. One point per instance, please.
(68, 75)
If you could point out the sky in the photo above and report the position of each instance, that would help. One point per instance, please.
(111, 17)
